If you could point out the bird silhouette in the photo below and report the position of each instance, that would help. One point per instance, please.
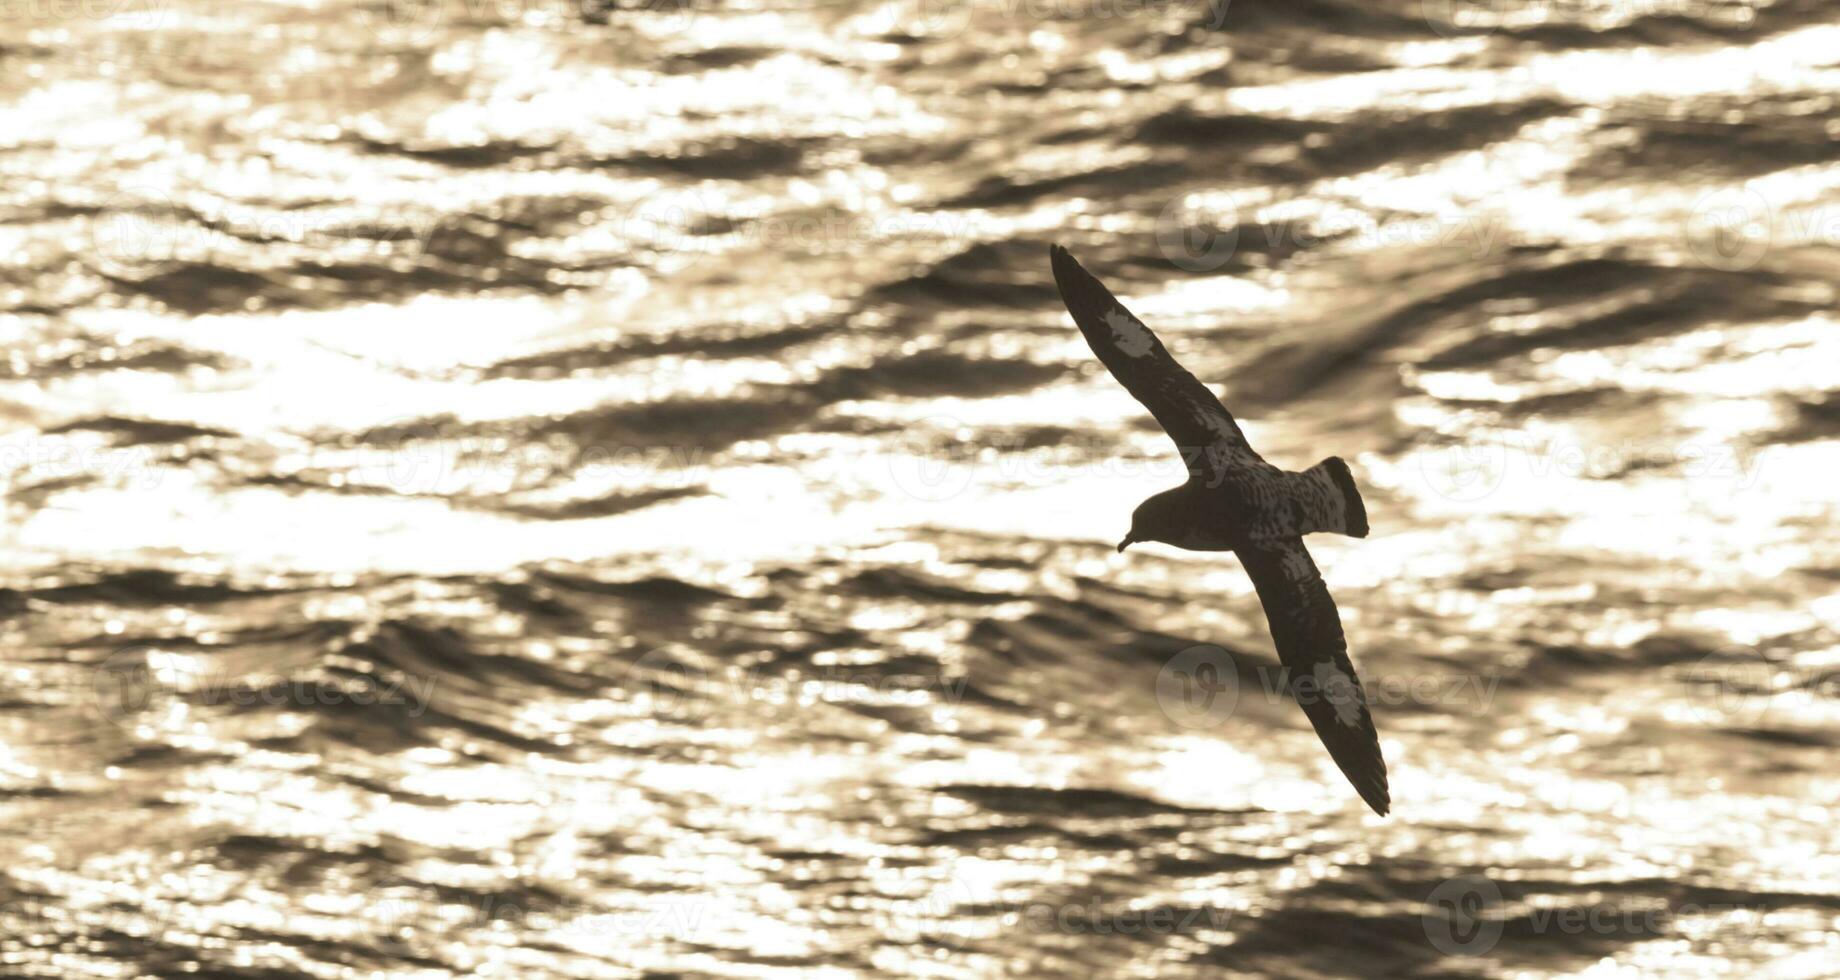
(1235, 501)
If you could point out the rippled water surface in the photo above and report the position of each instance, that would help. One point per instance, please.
(559, 490)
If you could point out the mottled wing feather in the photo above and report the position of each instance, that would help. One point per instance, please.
(1203, 430)
(1307, 631)
(1317, 503)
(1278, 506)
(1266, 507)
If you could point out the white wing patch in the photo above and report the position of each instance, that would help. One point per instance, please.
(1132, 338)
(1341, 693)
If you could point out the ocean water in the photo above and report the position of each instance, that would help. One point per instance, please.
(538, 489)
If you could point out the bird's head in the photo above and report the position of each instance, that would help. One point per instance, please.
(1159, 518)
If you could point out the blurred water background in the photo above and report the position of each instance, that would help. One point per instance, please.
(540, 489)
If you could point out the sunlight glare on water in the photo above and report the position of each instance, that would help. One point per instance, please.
(576, 490)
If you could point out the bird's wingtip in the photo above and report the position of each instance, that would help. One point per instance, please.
(1068, 273)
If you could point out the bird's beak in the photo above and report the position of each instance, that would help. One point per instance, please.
(1127, 542)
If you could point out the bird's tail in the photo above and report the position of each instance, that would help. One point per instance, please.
(1331, 500)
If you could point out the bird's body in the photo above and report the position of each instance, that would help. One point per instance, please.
(1260, 503)
(1235, 501)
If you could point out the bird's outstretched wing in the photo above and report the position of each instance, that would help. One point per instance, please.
(1308, 634)
(1203, 429)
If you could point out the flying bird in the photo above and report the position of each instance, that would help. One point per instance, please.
(1235, 501)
